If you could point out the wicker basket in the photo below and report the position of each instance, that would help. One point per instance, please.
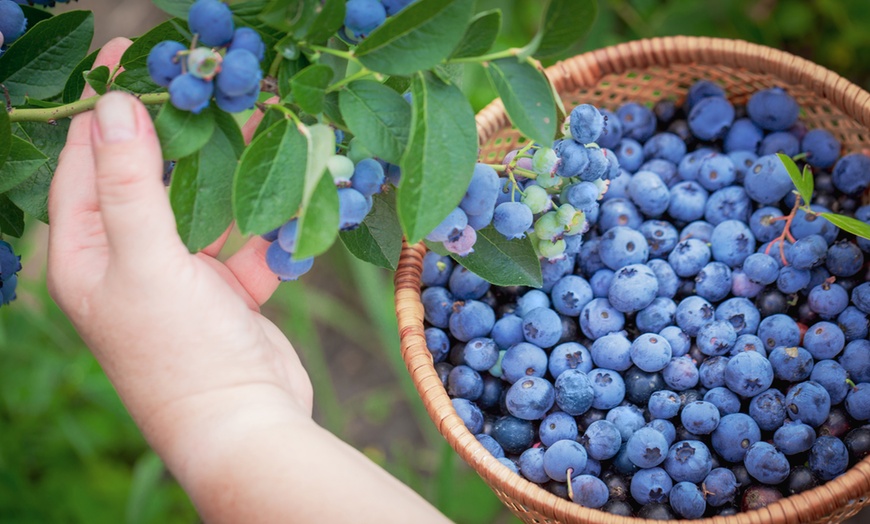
(644, 71)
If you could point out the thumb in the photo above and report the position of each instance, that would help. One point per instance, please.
(133, 205)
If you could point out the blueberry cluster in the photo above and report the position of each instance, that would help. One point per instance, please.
(364, 16)
(356, 184)
(194, 76)
(10, 265)
(548, 193)
(705, 349)
(12, 23)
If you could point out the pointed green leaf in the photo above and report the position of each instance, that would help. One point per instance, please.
(399, 84)
(5, 136)
(23, 160)
(38, 63)
(269, 181)
(417, 38)
(440, 157)
(182, 133)
(565, 23)
(330, 18)
(98, 79)
(852, 225)
(177, 8)
(527, 97)
(803, 182)
(31, 195)
(201, 190)
(137, 81)
(318, 219)
(308, 87)
(503, 262)
(11, 218)
(378, 240)
(75, 84)
(480, 34)
(136, 56)
(287, 70)
(378, 116)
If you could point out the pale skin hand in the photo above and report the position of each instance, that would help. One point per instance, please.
(216, 388)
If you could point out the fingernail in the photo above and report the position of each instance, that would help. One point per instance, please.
(116, 117)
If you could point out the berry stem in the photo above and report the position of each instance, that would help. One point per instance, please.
(347, 55)
(362, 73)
(52, 114)
(786, 233)
(507, 53)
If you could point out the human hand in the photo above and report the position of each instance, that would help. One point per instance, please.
(216, 388)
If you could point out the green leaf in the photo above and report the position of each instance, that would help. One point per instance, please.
(270, 179)
(177, 8)
(291, 16)
(31, 195)
(332, 110)
(399, 84)
(38, 63)
(136, 56)
(318, 219)
(308, 87)
(98, 79)
(329, 19)
(503, 262)
(75, 84)
(182, 133)
(527, 97)
(440, 157)
(23, 160)
(201, 191)
(852, 225)
(378, 240)
(136, 81)
(565, 23)
(11, 218)
(480, 35)
(803, 182)
(417, 38)
(378, 116)
(5, 137)
(287, 70)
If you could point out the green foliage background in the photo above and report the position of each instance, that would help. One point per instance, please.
(70, 453)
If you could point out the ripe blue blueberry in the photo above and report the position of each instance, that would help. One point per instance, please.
(471, 319)
(529, 398)
(766, 464)
(558, 425)
(734, 435)
(574, 393)
(569, 355)
(711, 117)
(164, 62)
(829, 457)
(647, 447)
(523, 360)
(748, 374)
(236, 104)
(773, 109)
(720, 487)
(470, 414)
(212, 20)
(589, 491)
(768, 409)
(284, 265)
(565, 459)
(464, 382)
(190, 93)
(249, 40)
(687, 500)
(809, 403)
(352, 208)
(364, 16)
(794, 438)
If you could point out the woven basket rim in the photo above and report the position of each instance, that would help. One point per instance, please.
(586, 70)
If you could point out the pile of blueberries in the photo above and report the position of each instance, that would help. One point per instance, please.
(10, 265)
(194, 76)
(693, 356)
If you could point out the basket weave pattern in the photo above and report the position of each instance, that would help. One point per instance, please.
(645, 71)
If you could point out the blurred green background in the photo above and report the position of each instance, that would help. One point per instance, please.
(70, 453)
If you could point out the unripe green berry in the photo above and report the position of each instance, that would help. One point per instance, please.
(551, 250)
(565, 214)
(603, 185)
(340, 167)
(204, 62)
(577, 225)
(537, 199)
(544, 161)
(549, 180)
(547, 227)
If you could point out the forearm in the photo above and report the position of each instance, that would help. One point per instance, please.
(275, 464)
